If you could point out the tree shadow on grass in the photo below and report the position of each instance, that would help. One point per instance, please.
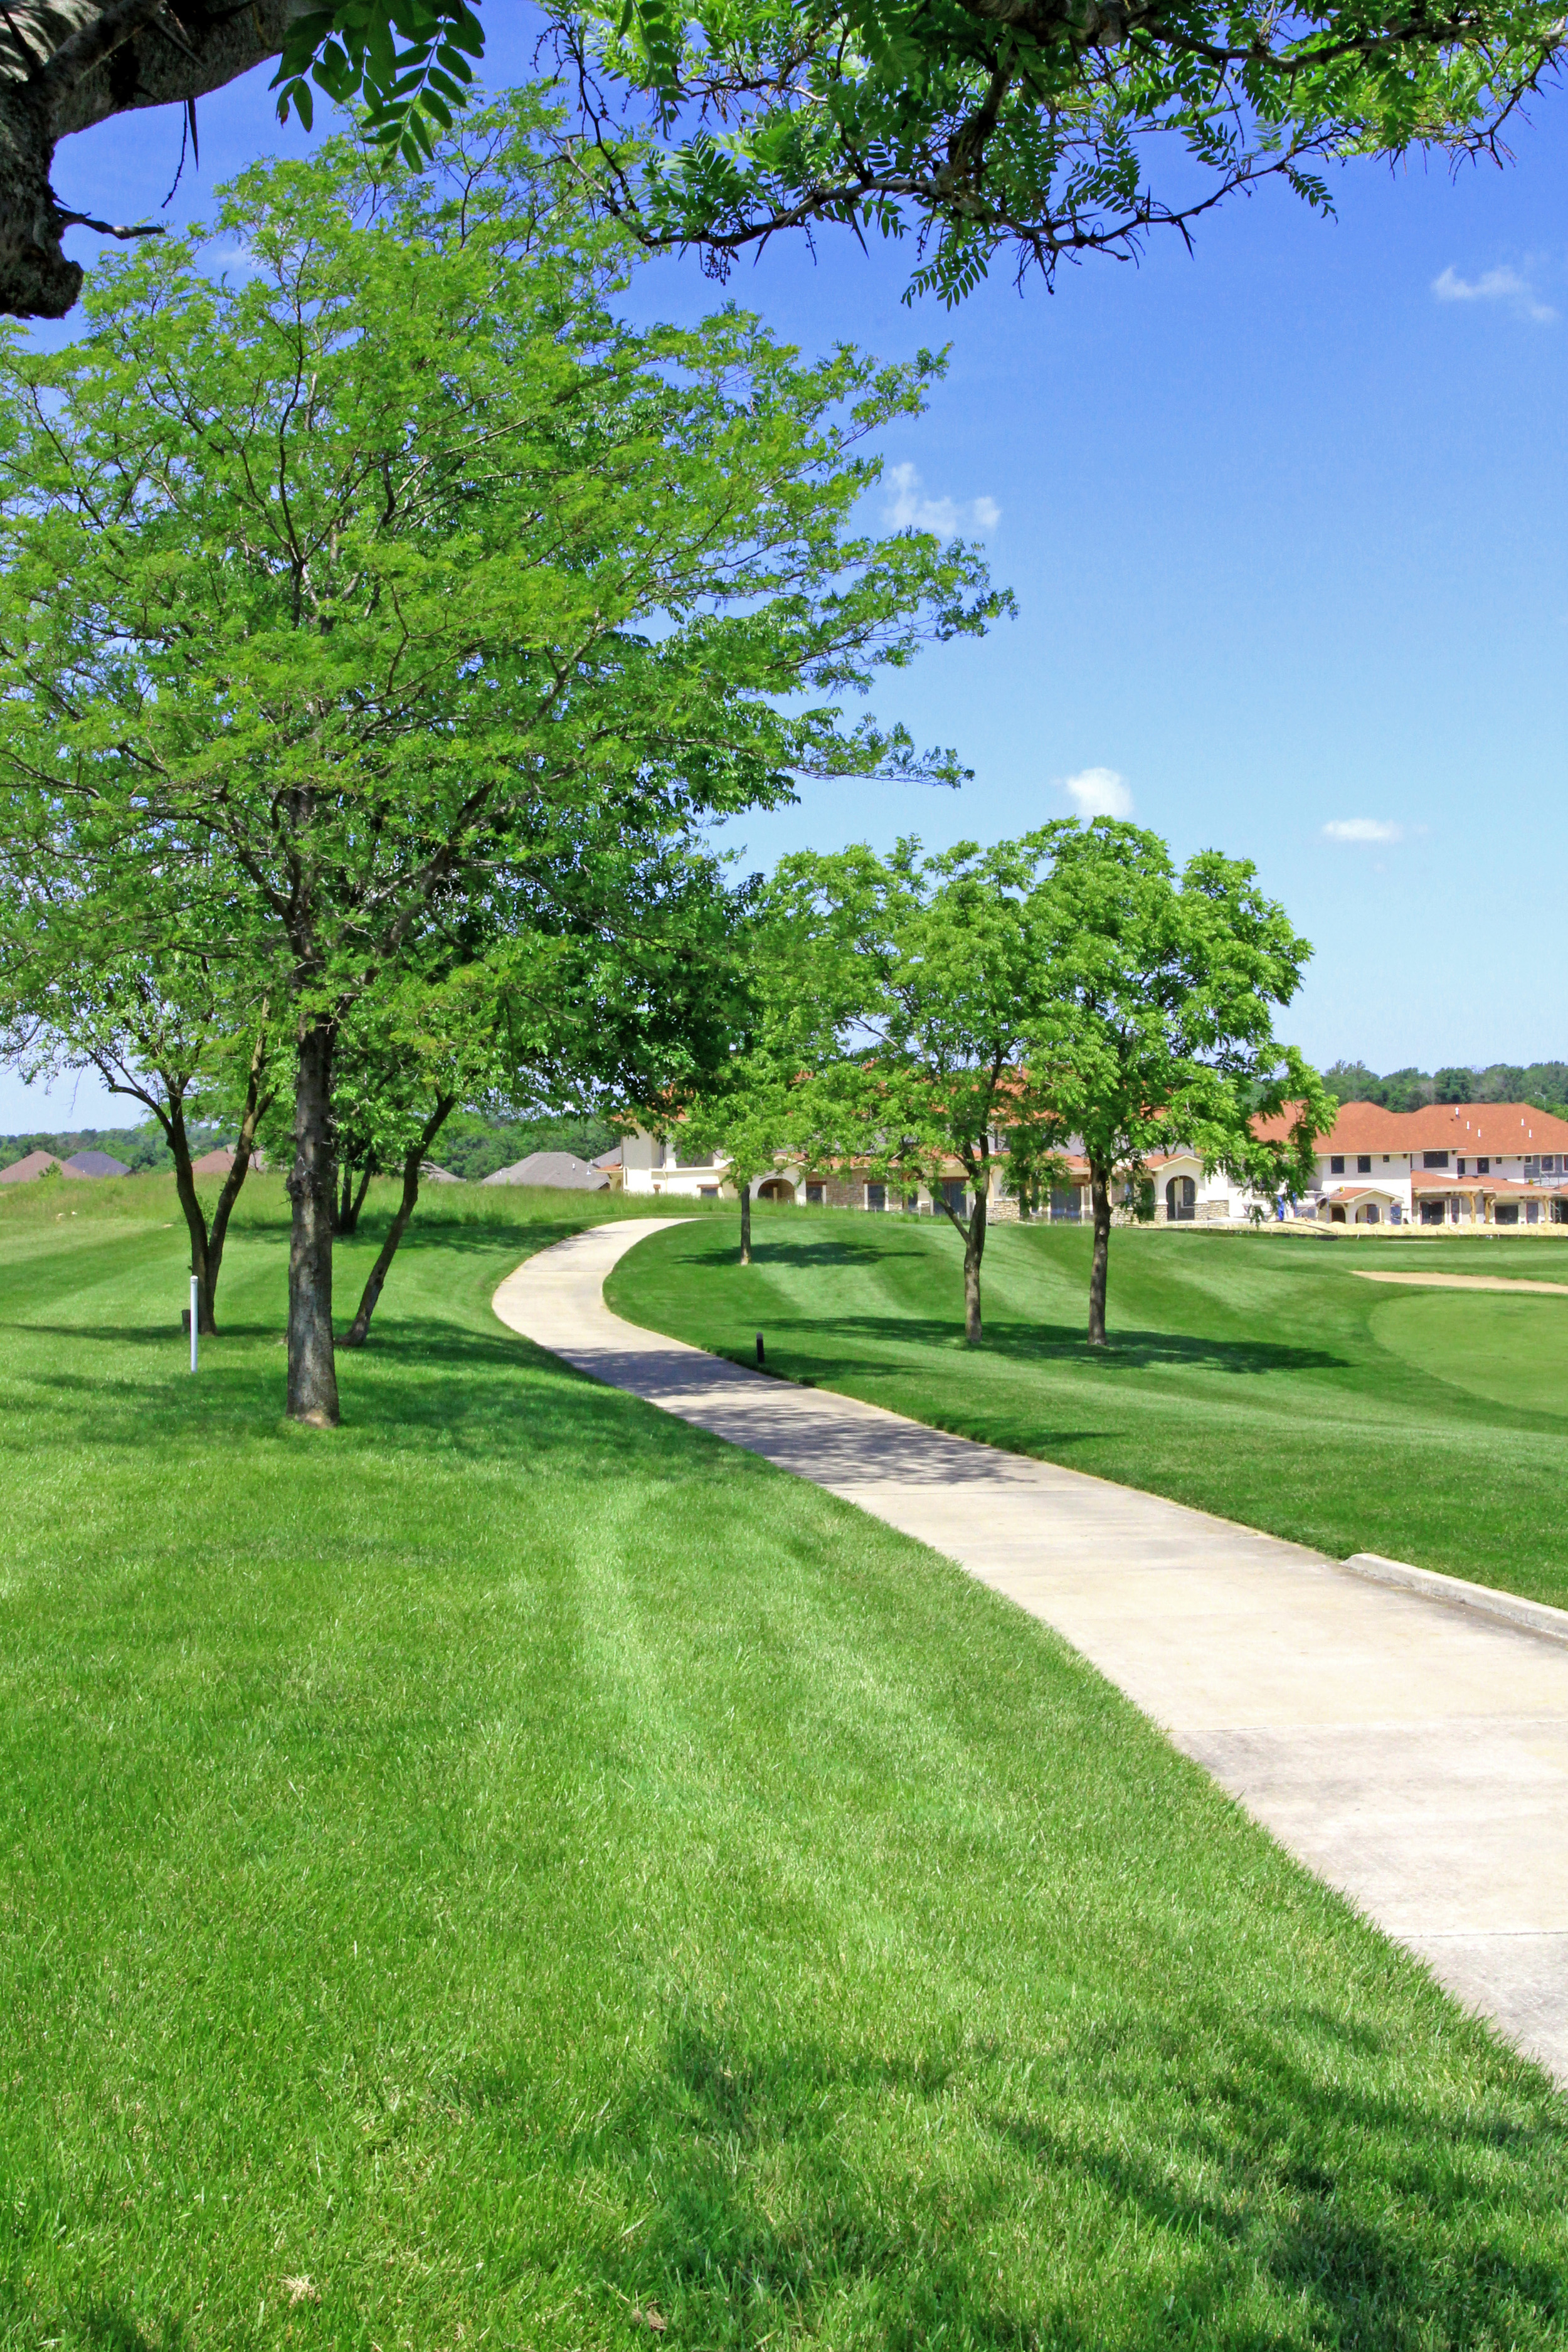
(422, 1382)
(1245, 2161)
(1045, 1343)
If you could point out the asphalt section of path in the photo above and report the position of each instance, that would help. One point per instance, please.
(1414, 1756)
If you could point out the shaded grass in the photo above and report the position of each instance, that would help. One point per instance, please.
(1254, 1376)
(519, 1863)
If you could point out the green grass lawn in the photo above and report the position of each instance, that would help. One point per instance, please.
(524, 1867)
(1252, 1375)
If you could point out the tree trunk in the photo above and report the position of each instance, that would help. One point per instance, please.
(244, 1143)
(312, 1374)
(746, 1222)
(1099, 1197)
(973, 1250)
(351, 1201)
(414, 1159)
(201, 1265)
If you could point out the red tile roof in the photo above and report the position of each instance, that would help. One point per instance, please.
(1490, 1128)
(1509, 1188)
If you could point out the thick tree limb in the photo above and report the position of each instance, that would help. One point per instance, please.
(66, 65)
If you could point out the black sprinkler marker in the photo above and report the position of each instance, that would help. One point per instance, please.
(761, 1357)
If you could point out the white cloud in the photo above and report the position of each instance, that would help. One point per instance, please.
(1100, 792)
(908, 508)
(1502, 285)
(1362, 828)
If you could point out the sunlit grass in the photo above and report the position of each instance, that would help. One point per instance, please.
(526, 1870)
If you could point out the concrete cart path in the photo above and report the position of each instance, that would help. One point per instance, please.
(1413, 1755)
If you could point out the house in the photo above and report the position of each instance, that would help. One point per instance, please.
(562, 1169)
(653, 1166)
(1445, 1165)
(22, 1171)
(1466, 1165)
(93, 1163)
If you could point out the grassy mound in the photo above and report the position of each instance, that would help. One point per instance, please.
(514, 1871)
(1257, 1376)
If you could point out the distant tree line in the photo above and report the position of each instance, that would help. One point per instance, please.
(472, 1145)
(1545, 1084)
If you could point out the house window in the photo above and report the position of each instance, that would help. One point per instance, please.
(1533, 1213)
(1433, 1160)
(1364, 1163)
(1395, 1213)
(1483, 1168)
(912, 1201)
(876, 1196)
(1431, 1212)
(1507, 1212)
(1453, 1208)
(952, 1193)
(707, 1192)
(816, 1195)
(1459, 1166)
(1065, 1199)
(1336, 1216)
(1337, 1164)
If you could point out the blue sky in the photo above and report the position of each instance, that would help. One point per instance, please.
(1286, 522)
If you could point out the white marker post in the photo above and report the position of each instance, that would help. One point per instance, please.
(195, 1296)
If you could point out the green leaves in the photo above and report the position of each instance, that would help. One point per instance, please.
(409, 61)
(402, 581)
(1042, 131)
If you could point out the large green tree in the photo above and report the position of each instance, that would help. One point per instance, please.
(930, 972)
(398, 571)
(1040, 130)
(1154, 1021)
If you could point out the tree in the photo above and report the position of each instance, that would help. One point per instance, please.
(1454, 1085)
(756, 1102)
(1157, 1021)
(90, 979)
(563, 1021)
(438, 603)
(1034, 126)
(1353, 1082)
(929, 971)
(985, 124)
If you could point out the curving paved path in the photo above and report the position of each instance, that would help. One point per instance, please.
(1411, 1754)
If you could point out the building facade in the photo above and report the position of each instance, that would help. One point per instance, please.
(1453, 1167)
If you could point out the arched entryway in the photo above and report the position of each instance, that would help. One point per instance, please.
(1181, 1201)
(776, 1187)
